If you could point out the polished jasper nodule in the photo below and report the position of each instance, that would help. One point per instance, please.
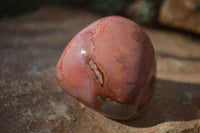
(109, 66)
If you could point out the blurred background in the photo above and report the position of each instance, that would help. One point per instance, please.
(139, 10)
(34, 33)
(181, 14)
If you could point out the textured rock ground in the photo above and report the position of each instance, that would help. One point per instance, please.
(32, 101)
(182, 14)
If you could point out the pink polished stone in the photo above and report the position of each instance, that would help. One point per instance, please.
(109, 66)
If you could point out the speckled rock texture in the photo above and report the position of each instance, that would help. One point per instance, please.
(182, 14)
(32, 101)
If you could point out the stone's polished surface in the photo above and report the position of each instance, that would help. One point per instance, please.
(109, 65)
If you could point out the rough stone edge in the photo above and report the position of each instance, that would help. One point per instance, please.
(165, 21)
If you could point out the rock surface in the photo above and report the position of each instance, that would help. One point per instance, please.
(32, 101)
(182, 14)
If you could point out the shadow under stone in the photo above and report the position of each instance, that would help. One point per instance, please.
(172, 101)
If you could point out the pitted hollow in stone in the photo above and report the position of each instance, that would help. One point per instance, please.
(117, 110)
(97, 72)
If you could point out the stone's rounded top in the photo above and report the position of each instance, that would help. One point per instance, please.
(112, 59)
